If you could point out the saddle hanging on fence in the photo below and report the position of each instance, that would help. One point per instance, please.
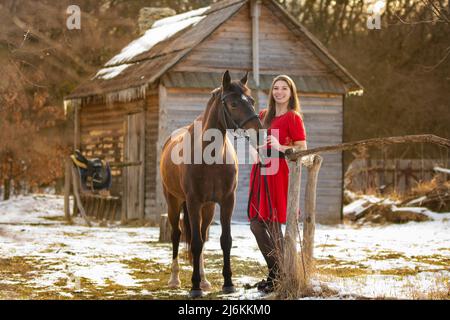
(95, 174)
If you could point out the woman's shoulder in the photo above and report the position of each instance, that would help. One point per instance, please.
(294, 115)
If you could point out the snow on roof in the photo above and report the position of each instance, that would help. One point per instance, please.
(443, 170)
(111, 72)
(179, 17)
(160, 31)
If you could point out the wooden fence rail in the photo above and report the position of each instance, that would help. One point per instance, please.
(297, 275)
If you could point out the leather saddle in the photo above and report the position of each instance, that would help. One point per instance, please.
(95, 174)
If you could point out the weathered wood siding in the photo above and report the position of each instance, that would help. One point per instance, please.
(151, 165)
(229, 47)
(323, 118)
(102, 133)
(135, 152)
(282, 52)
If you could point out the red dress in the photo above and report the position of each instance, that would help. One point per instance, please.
(289, 128)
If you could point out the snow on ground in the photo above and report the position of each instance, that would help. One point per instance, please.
(400, 261)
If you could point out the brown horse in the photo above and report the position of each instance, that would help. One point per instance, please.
(196, 186)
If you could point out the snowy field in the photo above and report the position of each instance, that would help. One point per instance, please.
(41, 257)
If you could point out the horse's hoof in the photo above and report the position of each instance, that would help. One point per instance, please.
(195, 294)
(228, 289)
(205, 285)
(174, 284)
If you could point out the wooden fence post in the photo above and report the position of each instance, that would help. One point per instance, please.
(67, 180)
(165, 230)
(309, 222)
(296, 269)
(76, 192)
(291, 233)
(292, 275)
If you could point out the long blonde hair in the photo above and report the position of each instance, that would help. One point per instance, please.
(293, 104)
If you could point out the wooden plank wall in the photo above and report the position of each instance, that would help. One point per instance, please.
(229, 47)
(151, 165)
(135, 150)
(102, 130)
(281, 52)
(323, 119)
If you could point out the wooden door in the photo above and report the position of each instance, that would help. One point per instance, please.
(134, 171)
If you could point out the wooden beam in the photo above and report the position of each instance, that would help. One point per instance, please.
(290, 263)
(309, 222)
(67, 180)
(76, 192)
(293, 153)
(162, 135)
(255, 13)
(142, 167)
(77, 142)
(123, 215)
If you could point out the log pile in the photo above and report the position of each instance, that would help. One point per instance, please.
(434, 195)
(429, 196)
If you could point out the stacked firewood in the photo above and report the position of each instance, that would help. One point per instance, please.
(434, 195)
(429, 196)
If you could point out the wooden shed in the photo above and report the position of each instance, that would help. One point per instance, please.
(162, 81)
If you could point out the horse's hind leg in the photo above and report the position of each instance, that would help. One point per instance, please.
(207, 217)
(226, 211)
(174, 208)
(194, 211)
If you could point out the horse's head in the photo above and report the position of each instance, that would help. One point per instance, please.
(238, 111)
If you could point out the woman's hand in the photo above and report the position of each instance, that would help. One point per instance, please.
(272, 142)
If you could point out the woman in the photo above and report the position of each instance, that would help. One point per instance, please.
(269, 180)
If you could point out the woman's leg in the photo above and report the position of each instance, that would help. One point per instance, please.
(265, 244)
(270, 241)
(276, 237)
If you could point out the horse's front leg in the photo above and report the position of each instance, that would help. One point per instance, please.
(207, 217)
(204, 283)
(194, 209)
(226, 211)
(174, 208)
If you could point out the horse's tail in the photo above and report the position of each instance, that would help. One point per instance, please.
(187, 231)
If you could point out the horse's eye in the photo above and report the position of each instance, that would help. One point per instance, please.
(233, 105)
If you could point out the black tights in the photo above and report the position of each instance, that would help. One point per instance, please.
(270, 241)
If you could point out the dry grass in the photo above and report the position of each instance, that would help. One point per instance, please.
(295, 277)
(438, 290)
(437, 192)
(296, 271)
(425, 187)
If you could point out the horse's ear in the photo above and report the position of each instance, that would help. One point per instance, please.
(226, 80)
(244, 80)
